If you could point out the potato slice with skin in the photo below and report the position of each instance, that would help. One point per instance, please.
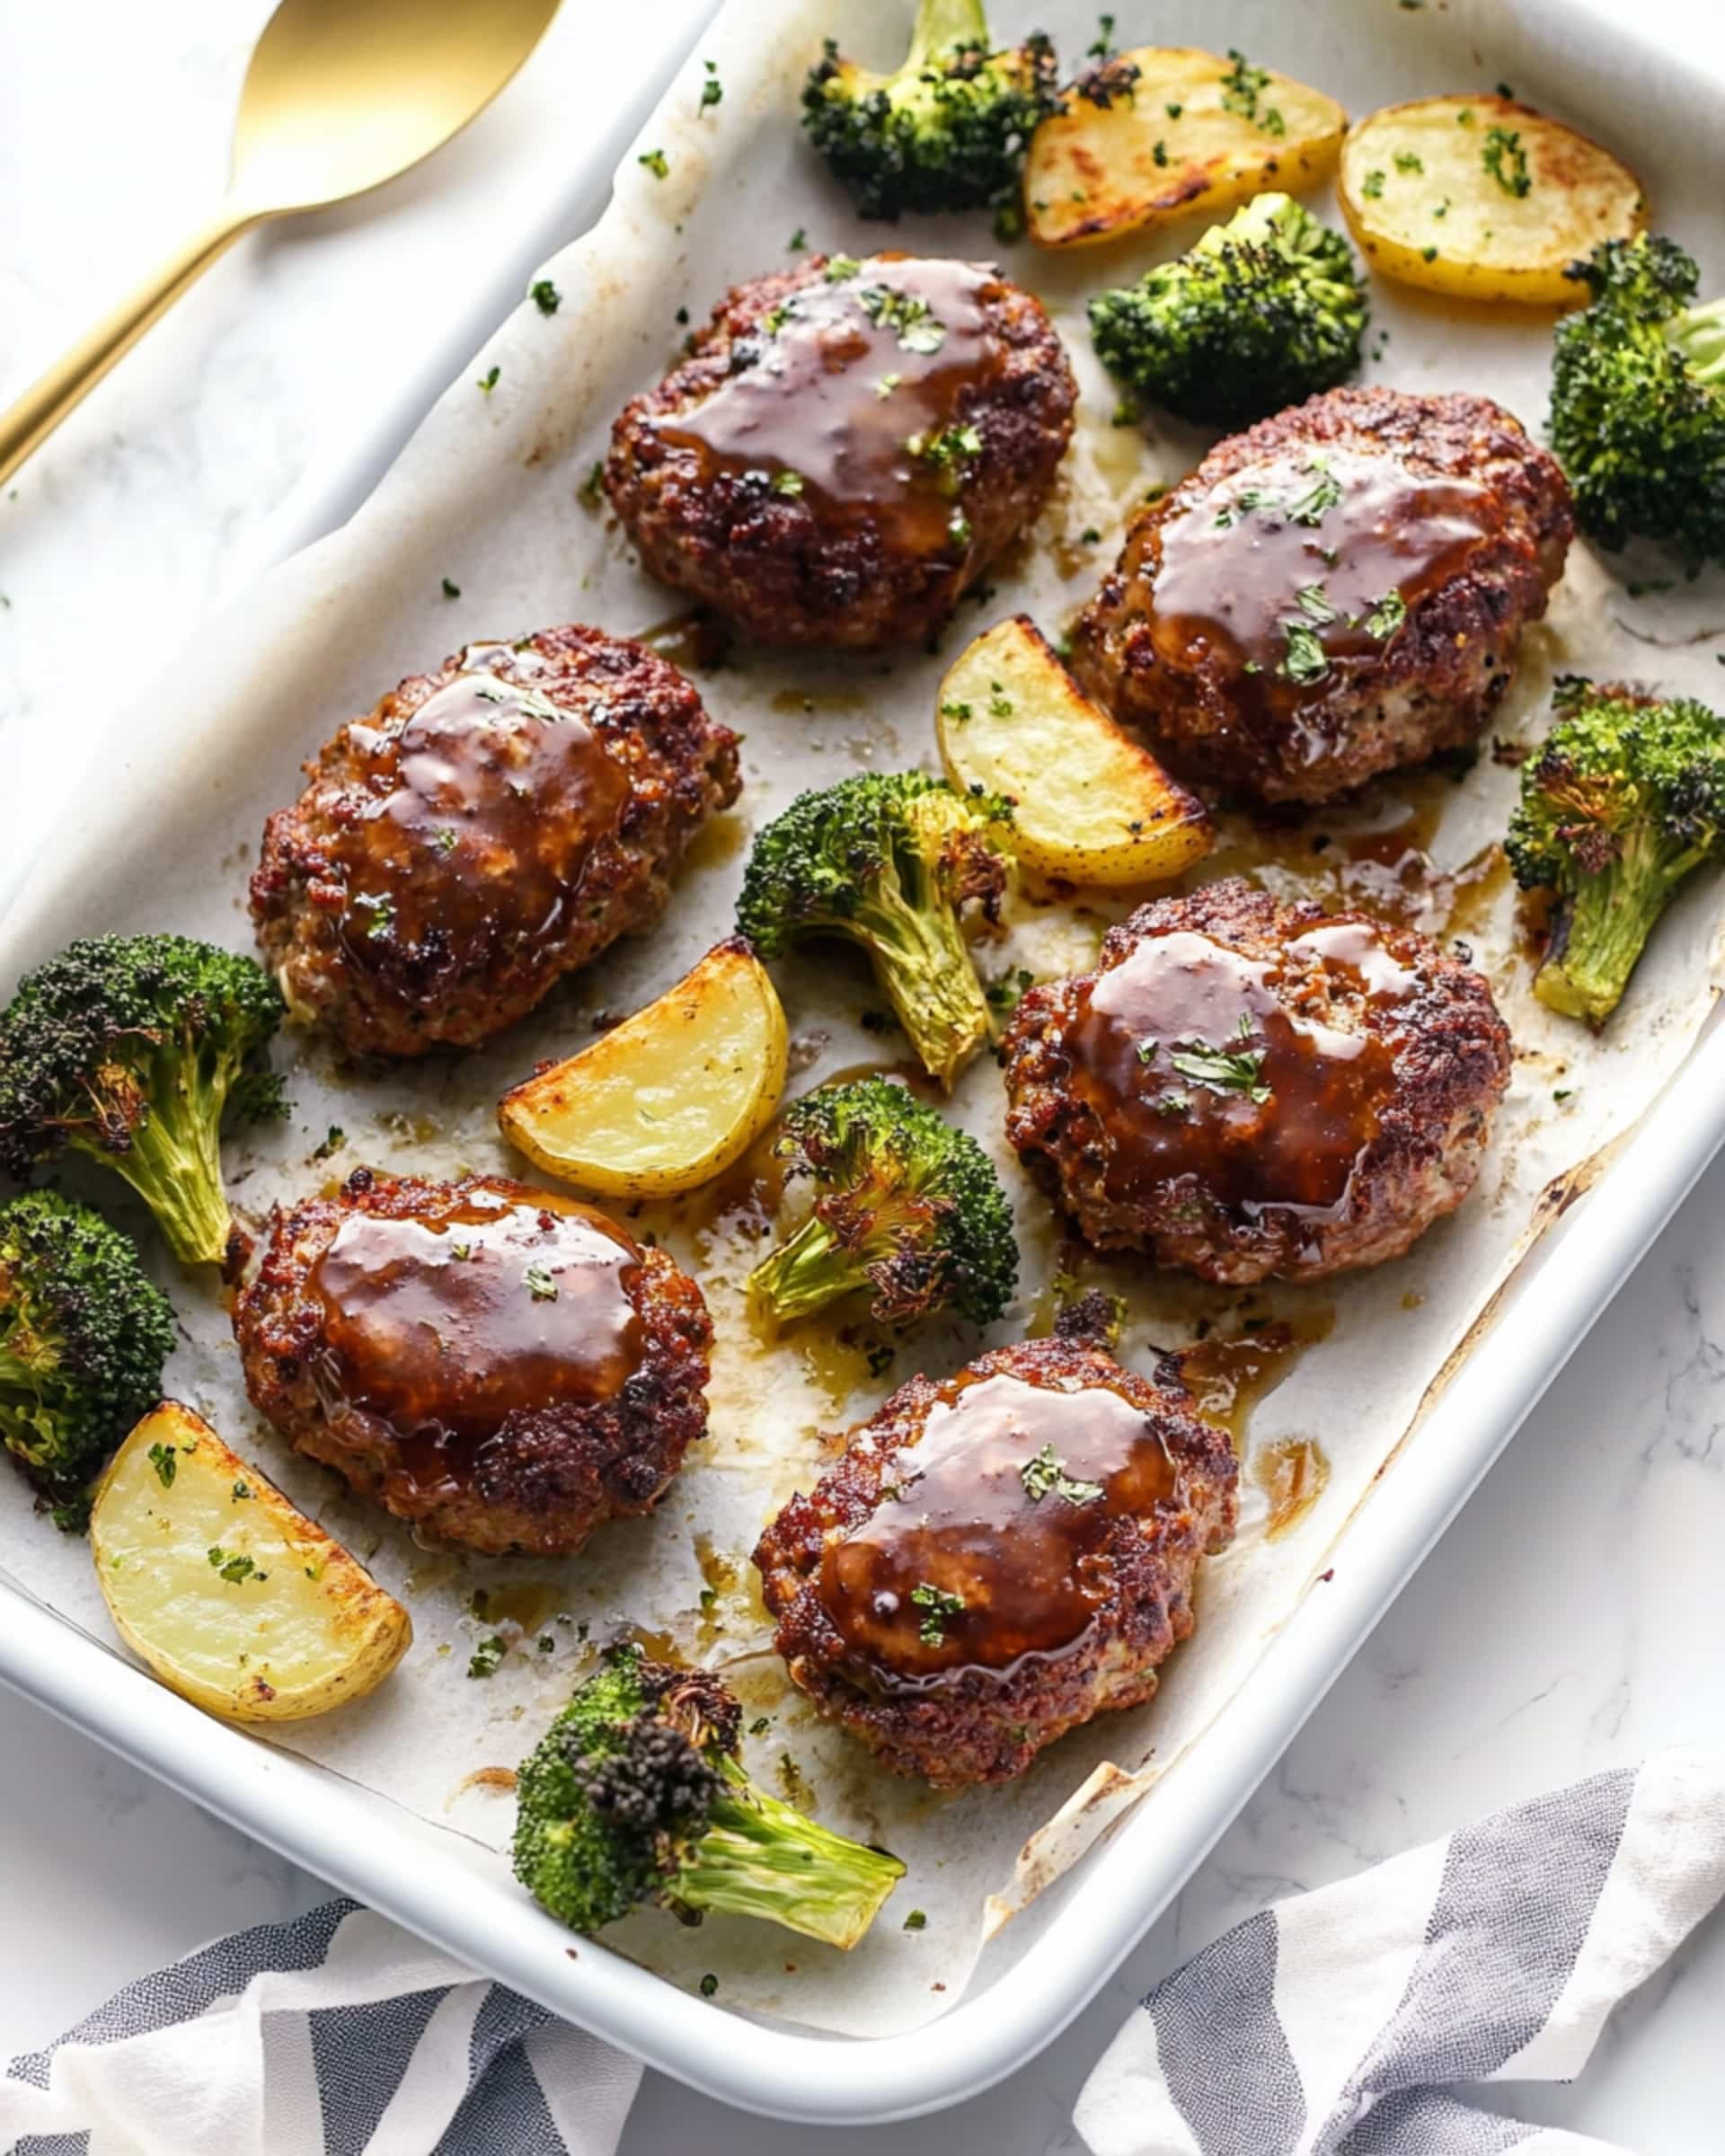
(226, 1591)
(670, 1098)
(1430, 191)
(1194, 133)
(1092, 807)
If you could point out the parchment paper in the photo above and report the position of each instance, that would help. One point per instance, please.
(487, 496)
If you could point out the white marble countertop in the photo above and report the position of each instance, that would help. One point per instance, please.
(1571, 1618)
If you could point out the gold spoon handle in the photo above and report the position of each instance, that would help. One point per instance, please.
(41, 407)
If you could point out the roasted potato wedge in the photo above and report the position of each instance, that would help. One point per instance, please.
(1483, 198)
(1093, 806)
(1194, 133)
(230, 1594)
(669, 1099)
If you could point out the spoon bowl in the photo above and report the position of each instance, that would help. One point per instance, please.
(344, 94)
(340, 95)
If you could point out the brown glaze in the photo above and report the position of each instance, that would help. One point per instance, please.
(1227, 1374)
(1233, 567)
(959, 1520)
(834, 405)
(449, 861)
(1305, 1106)
(446, 1322)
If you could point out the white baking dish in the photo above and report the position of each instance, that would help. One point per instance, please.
(1043, 1967)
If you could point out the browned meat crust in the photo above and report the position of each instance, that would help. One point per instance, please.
(773, 474)
(1443, 500)
(503, 1368)
(460, 848)
(1382, 1061)
(969, 1710)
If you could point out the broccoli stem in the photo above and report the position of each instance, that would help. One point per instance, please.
(941, 25)
(174, 1160)
(923, 961)
(1602, 929)
(761, 1858)
(1700, 336)
(808, 1271)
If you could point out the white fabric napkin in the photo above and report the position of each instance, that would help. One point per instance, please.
(336, 2035)
(1336, 2024)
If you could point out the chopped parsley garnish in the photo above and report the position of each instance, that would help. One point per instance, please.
(1408, 160)
(1243, 87)
(590, 493)
(486, 1656)
(1159, 153)
(1102, 45)
(1387, 616)
(1314, 604)
(381, 906)
(951, 452)
(798, 241)
(546, 296)
(939, 1605)
(1305, 660)
(1000, 704)
(955, 711)
(787, 482)
(232, 1567)
(1173, 111)
(451, 591)
(885, 386)
(1225, 1070)
(160, 1458)
(708, 1985)
(488, 381)
(957, 528)
(539, 1285)
(1372, 185)
(241, 1490)
(1147, 1049)
(1046, 1473)
(711, 89)
(906, 313)
(1319, 497)
(776, 317)
(461, 1252)
(1007, 993)
(657, 163)
(917, 1919)
(1427, 254)
(1507, 162)
(445, 839)
(334, 1139)
(840, 268)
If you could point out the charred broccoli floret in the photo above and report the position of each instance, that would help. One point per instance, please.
(909, 1210)
(130, 1049)
(83, 1338)
(1264, 311)
(947, 131)
(1638, 399)
(634, 1794)
(1627, 798)
(889, 859)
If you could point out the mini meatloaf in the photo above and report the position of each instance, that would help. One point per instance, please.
(846, 447)
(996, 1558)
(486, 829)
(1337, 591)
(1243, 1088)
(502, 1368)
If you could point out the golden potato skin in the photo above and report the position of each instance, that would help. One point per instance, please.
(225, 1590)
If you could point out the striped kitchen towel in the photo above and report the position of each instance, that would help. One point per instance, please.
(336, 2035)
(1337, 2023)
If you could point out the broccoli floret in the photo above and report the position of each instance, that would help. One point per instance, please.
(1638, 399)
(909, 1209)
(888, 859)
(83, 1338)
(947, 131)
(1265, 310)
(130, 1049)
(634, 1794)
(1627, 798)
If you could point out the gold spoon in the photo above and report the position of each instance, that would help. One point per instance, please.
(340, 96)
